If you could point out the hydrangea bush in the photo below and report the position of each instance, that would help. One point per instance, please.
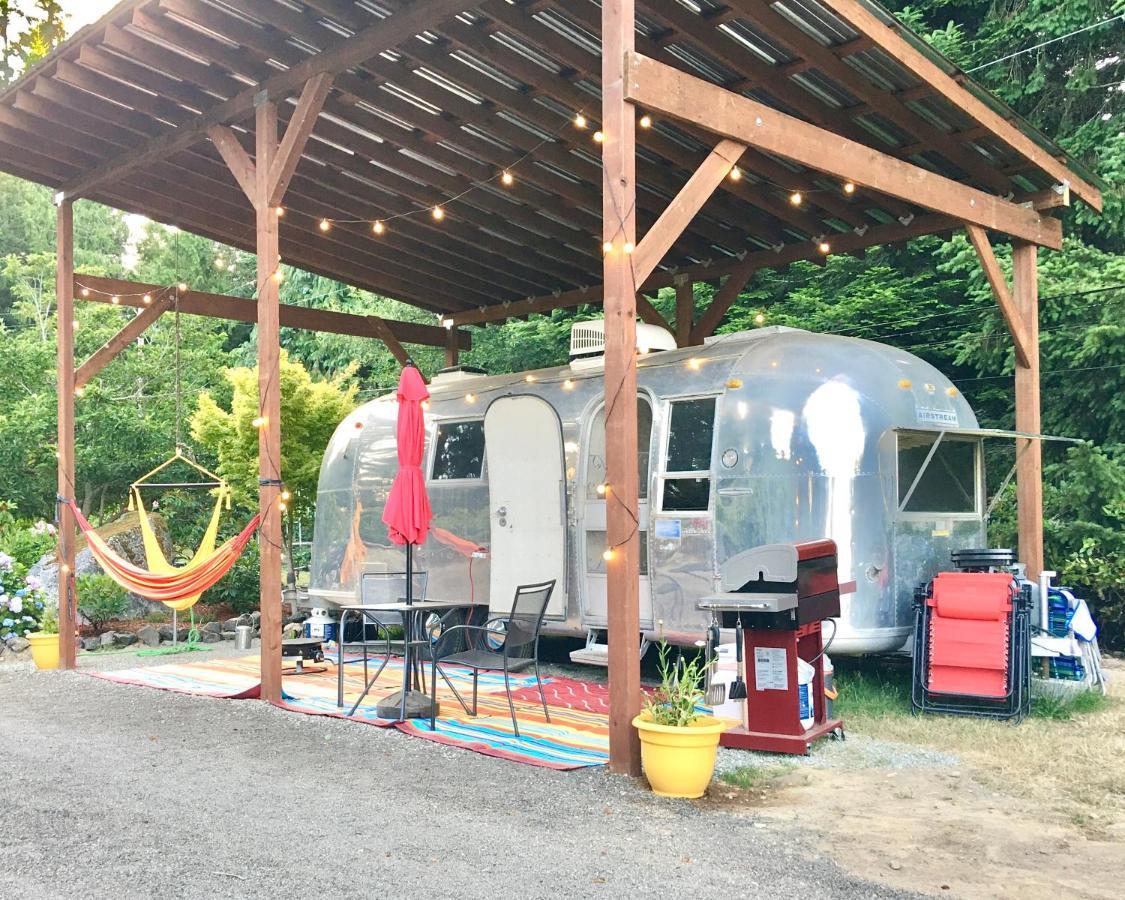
(20, 608)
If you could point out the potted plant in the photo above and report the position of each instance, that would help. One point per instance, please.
(678, 743)
(45, 641)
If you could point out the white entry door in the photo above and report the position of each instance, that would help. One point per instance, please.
(527, 495)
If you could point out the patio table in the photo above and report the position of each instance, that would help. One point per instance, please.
(411, 615)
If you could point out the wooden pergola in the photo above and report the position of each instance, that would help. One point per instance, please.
(495, 160)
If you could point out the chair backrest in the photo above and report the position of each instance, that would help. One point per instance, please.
(528, 609)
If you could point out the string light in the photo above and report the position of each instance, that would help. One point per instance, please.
(849, 188)
(580, 121)
(628, 248)
(529, 378)
(760, 318)
(824, 247)
(694, 363)
(85, 292)
(115, 299)
(735, 174)
(599, 136)
(607, 247)
(146, 299)
(795, 198)
(278, 275)
(507, 178)
(470, 398)
(378, 227)
(568, 385)
(182, 286)
(646, 121)
(280, 211)
(285, 495)
(602, 489)
(608, 555)
(325, 225)
(259, 422)
(281, 505)
(438, 213)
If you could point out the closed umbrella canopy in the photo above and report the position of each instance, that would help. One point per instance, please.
(407, 514)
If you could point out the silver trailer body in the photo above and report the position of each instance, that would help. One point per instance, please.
(755, 438)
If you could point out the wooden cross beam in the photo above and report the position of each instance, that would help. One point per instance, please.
(668, 91)
(239, 309)
(1012, 316)
(128, 333)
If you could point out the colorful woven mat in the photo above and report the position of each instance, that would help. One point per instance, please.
(576, 736)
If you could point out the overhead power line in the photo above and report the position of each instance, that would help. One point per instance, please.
(1040, 46)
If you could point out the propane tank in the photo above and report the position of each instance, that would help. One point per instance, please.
(805, 704)
(321, 626)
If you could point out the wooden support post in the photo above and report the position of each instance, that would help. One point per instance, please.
(1029, 465)
(451, 348)
(269, 403)
(619, 227)
(724, 297)
(64, 299)
(685, 310)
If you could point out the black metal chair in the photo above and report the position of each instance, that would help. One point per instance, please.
(515, 647)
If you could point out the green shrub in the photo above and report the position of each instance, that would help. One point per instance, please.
(239, 588)
(100, 599)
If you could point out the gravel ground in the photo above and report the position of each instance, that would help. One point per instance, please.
(115, 791)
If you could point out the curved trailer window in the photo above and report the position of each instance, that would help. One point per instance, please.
(458, 451)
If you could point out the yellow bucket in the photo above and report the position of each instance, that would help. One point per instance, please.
(679, 762)
(44, 650)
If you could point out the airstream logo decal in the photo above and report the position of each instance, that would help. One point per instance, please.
(936, 416)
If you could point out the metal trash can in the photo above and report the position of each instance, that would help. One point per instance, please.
(243, 637)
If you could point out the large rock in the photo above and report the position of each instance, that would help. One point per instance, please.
(149, 636)
(91, 643)
(211, 628)
(124, 537)
(108, 639)
(18, 645)
(124, 639)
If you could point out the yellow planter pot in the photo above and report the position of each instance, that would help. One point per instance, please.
(679, 762)
(44, 650)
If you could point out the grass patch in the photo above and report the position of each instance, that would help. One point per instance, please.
(755, 776)
(1064, 708)
(872, 689)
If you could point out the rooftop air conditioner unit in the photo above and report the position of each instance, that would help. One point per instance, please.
(587, 339)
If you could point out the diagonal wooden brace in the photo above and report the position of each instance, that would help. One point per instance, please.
(129, 333)
(1002, 292)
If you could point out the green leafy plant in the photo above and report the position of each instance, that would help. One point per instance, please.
(674, 702)
(49, 624)
(100, 599)
(240, 588)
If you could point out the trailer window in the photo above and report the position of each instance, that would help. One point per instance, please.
(459, 450)
(595, 459)
(948, 484)
(687, 466)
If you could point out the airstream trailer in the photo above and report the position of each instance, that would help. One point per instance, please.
(771, 435)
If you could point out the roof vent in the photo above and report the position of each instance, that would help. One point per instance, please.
(587, 339)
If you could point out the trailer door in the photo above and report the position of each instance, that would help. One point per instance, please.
(527, 496)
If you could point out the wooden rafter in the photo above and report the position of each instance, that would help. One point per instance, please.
(656, 86)
(893, 43)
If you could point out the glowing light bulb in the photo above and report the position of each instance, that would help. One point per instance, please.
(824, 247)
(85, 292)
(259, 422)
(146, 299)
(529, 378)
(278, 275)
(645, 121)
(796, 198)
(568, 385)
(736, 174)
(507, 178)
(115, 299)
(280, 211)
(602, 489)
(580, 121)
(281, 505)
(760, 318)
(285, 495)
(378, 227)
(694, 363)
(628, 248)
(220, 263)
(80, 390)
(599, 136)
(325, 224)
(608, 555)
(607, 247)
(182, 287)
(470, 398)
(438, 213)
(849, 188)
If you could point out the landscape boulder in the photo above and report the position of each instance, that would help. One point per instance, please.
(149, 635)
(18, 645)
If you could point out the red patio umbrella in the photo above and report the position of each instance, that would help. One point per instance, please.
(407, 514)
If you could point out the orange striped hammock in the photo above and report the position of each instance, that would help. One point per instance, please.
(191, 580)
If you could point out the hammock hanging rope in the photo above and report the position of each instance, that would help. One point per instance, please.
(171, 587)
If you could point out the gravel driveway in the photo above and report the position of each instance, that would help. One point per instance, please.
(115, 791)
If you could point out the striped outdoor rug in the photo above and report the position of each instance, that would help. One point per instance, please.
(576, 736)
